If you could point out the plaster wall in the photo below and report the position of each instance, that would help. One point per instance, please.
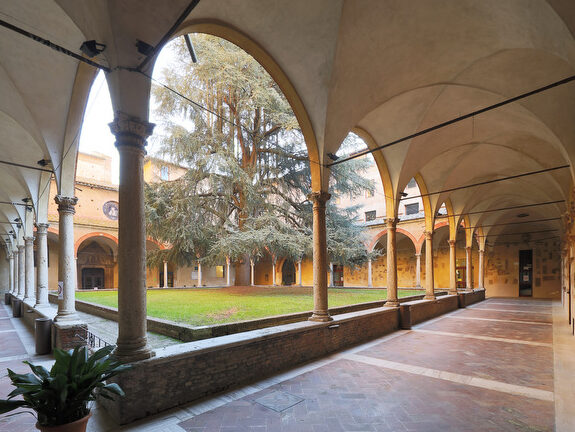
(502, 269)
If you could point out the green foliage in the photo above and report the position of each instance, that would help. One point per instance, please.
(207, 306)
(62, 395)
(248, 174)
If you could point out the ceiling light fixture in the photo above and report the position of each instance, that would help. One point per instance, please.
(92, 48)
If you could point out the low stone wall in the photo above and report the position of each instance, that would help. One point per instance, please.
(473, 297)
(65, 335)
(188, 333)
(422, 310)
(183, 373)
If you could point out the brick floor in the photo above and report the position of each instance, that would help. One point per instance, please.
(348, 395)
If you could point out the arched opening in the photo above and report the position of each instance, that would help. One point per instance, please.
(97, 263)
(288, 272)
(441, 257)
(407, 274)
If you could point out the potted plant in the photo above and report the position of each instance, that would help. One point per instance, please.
(61, 397)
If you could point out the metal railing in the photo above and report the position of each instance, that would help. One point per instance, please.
(93, 341)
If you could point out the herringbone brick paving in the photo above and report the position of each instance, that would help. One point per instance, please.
(347, 395)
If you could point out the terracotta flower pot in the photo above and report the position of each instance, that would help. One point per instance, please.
(77, 426)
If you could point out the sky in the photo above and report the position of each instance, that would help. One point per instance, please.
(95, 136)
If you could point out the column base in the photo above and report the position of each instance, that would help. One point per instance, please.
(391, 303)
(69, 335)
(429, 297)
(127, 354)
(66, 317)
(320, 317)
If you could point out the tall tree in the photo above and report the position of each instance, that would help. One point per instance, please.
(244, 191)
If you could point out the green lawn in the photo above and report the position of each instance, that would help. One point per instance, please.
(221, 305)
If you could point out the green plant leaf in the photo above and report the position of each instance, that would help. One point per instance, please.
(9, 405)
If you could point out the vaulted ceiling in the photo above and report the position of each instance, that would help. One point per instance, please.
(389, 67)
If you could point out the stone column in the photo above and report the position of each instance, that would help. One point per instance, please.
(165, 274)
(131, 134)
(330, 275)
(21, 271)
(29, 268)
(468, 285)
(429, 286)
(66, 261)
(418, 270)
(274, 260)
(391, 264)
(15, 257)
(252, 273)
(369, 276)
(199, 274)
(481, 263)
(320, 311)
(452, 266)
(11, 273)
(228, 277)
(299, 272)
(42, 266)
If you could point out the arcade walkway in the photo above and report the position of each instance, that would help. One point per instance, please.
(496, 366)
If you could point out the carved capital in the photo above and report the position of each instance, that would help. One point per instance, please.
(130, 131)
(20, 248)
(468, 248)
(66, 204)
(319, 198)
(42, 228)
(391, 223)
(451, 243)
(29, 239)
(428, 235)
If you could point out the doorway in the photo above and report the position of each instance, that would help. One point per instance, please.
(526, 273)
(92, 278)
(337, 275)
(288, 272)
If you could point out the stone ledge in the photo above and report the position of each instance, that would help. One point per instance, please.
(208, 367)
(187, 333)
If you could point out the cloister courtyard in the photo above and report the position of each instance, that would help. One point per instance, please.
(294, 215)
(207, 306)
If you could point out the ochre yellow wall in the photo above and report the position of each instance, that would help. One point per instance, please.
(502, 270)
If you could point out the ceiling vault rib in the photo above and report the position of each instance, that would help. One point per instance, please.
(168, 34)
(52, 45)
(515, 223)
(455, 120)
(488, 182)
(518, 233)
(25, 166)
(504, 208)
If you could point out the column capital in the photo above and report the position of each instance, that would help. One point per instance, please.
(29, 239)
(467, 248)
(20, 248)
(66, 204)
(42, 227)
(319, 198)
(428, 235)
(391, 223)
(452, 242)
(130, 131)
(418, 254)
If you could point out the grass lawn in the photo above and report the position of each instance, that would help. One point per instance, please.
(221, 305)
